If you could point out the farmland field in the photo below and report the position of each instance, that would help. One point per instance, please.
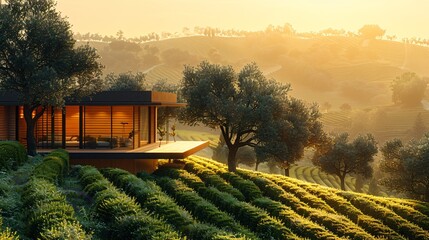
(199, 200)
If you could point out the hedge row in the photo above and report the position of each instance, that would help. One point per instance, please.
(386, 215)
(300, 195)
(150, 195)
(298, 224)
(50, 216)
(123, 217)
(200, 208)
(407, 212)
(301, 226)
(12, 155)
(53, 167)
(211, 179)
(250, 216)
(337, 224)
(344, 207)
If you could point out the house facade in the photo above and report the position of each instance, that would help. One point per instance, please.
(109, 125)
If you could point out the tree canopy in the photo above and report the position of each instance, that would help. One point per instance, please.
(406, 167)
(125, 81)
(249, 109)
(38, 60)
(408, 89)
(371, 31)
(341, 157)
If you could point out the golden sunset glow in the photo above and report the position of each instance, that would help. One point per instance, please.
(135, 17)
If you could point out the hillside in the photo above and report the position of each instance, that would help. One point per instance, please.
(334, 69)
(200, 201)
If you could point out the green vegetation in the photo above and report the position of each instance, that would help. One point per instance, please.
(40, 63)
(12, 155)
(406, 167)
(50, 215)
(340, 157)
(250, 111)
(201, 201)
(121, 214)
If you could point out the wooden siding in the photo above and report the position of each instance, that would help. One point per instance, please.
(7, 123)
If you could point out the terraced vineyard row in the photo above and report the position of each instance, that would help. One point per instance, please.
(204, 201)
(315, 175)
(366, 214)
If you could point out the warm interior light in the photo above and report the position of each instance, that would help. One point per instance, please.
(21, 112)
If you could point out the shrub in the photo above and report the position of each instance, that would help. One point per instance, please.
(16, 153)
(7, 234)
(344, 207)
(199, 207)
(211, 179)
(387, 216)
(64, 231)
(48, 209)
(7, 158)
(298, 224)
(254, 218)
(300, 193)
(123, 217)
(53, 167)
(246, 187)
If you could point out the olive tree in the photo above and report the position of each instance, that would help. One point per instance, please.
(249, 109)
(341, 157)
(39, 60)
(406, 167)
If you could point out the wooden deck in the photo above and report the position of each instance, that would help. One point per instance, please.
(170, 150)
(134, 160)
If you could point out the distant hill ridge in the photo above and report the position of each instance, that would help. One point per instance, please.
(335, 69)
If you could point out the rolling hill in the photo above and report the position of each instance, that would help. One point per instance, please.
(334, 69)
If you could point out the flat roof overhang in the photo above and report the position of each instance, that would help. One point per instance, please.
(109, 98)
(170, 150)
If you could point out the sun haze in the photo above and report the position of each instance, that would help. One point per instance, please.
(136, 17)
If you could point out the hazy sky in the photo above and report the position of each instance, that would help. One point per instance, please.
(405, 18)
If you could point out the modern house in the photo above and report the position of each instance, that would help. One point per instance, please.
(109, 129)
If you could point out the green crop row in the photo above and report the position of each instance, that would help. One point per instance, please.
(148, 194)
(298, 224)
(344, 207)
(338, 224)
(388, 217)
(211, 179)
(407, 212)
(250, 216)
(53, 167)
(50, 216)
(122, 216)
(300, 195)
(200, 208)
(301, 226)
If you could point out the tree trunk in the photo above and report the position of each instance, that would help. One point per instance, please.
(31, 140)
(232, 162)
(343, 182)
(256, 166)
(287, 172)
